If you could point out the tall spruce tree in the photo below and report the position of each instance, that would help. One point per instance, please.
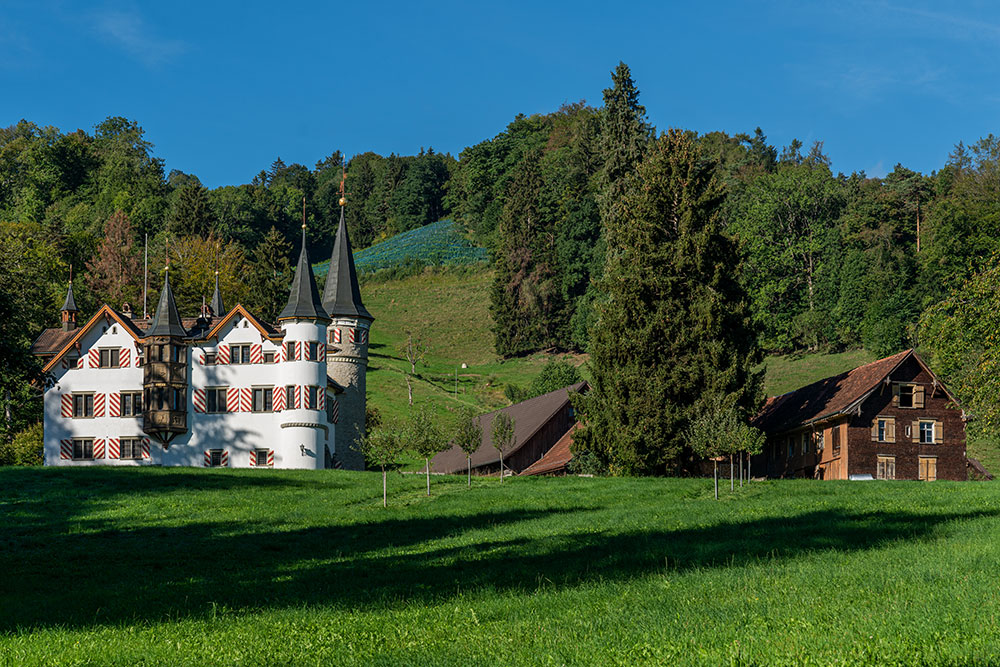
(192, 212)
(675, 325)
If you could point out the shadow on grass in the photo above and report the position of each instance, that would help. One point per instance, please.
(94, 574)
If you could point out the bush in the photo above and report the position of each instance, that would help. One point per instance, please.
(25, 449)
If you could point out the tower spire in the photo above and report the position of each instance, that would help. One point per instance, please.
(303, 298)
(341, 294)
(69, 309)
(166, 321)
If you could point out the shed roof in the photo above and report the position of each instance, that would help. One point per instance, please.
(529, 416)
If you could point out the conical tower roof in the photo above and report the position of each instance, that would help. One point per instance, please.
(303, 299)
(70, 303)
(218, 310)
(341, 295)
(167, 321)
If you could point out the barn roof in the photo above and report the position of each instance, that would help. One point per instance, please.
(529, 416)
(557, 458)
(830, 396)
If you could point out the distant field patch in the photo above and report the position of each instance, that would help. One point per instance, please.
(439, 244)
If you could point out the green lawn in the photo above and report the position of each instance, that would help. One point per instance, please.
(186, 566)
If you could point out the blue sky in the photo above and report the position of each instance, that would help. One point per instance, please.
(223, 88)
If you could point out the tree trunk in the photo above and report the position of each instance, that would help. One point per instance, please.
(427, 463)
(501, 467)
(748, 467)
(469, 458)
(716, 475)
(740, 456)
(385, 495)
(409, 389)
(732, 481)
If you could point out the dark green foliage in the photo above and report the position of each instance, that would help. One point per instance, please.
(24, 449)
(270, 276)
(675, 325)
(555, 374)
(192, 213)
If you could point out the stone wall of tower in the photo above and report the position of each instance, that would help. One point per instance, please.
(347, 362)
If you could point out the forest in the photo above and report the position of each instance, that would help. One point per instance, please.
(822, 260)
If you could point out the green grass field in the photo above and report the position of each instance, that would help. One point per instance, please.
(176, 566)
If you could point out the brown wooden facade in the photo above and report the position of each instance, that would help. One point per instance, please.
(892, 420)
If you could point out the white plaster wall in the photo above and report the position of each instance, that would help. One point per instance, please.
(95, 380)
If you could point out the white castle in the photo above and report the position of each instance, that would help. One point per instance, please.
(224, 389)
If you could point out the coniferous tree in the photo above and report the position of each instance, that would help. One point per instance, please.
(270, 276)
(675, 325)
(192, 213)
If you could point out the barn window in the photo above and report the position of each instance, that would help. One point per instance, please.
(131, 448)
(927, 433)
(819, 441)
(886, 467)
(928, 468)
(906, 392)
(83, 450)
(835, 440)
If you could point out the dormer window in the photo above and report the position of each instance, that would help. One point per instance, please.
(906, 396)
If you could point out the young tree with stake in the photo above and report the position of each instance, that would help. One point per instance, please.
(503, 435)
(382, 447)
(468, 435)
(720, 428)
(425, 439)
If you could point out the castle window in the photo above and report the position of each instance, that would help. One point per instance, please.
(109, 358)
(83, 405)
(239, 354)
(263, 399)
(311, 393)
(269, 357)
(83, 450)
(260, 458)
(215, 458)
(210, 358)
(313, 351)
(290, 351)
(290, 397)
(131, 448)
(215, 399)
(131, 404)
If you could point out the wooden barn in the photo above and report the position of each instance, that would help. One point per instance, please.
(890, 419)
(540, 423)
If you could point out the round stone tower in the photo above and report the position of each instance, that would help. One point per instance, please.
(347, 348)
(305, 434)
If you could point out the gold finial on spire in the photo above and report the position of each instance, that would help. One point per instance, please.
(343, 180)
(303, 213)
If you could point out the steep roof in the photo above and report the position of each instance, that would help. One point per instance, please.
(166, 321)
(303, 298)
(342, 295)
(218, 310)
(217, 323)
(557, 458)
(50, 341)
(830, 396)
(70, 303)
(529, 416)
(46, 342)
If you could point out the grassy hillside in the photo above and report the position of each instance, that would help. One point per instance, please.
(449, 310)
(785, 373)
(176, 566)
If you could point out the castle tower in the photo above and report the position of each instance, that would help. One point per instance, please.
(165, 371)
(305, 435)
(347, 351)
(69, 310)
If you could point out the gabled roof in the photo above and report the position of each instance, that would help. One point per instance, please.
(303, 298)
(106, 312)
(529, 416)
(557, 458)
(341, 294)
(831, 396)
(166, 321)
(218, 323)
(70, 303)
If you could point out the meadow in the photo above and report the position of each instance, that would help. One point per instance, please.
(177, 566)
